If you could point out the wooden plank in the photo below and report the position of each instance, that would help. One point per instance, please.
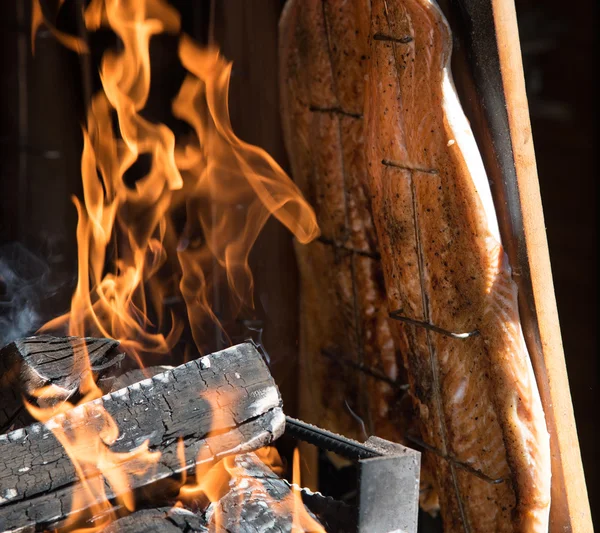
(488, 71)
(223, 403)
(570, 510)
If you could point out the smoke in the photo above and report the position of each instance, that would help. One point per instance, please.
(26, 288)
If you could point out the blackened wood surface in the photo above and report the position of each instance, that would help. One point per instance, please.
(137, 374)
(28, 364)
(161, 520)
(221, 404)
(258, 502)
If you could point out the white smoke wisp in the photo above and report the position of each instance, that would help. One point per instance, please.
(25, 286)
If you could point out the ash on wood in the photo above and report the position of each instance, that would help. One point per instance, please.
(224, 403)
(137, 374)
(28, 364)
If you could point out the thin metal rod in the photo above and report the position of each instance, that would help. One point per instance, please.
(376, 374)
(335, 110)
(397, 316)
(363, 398)
(432, 353)
(463, 466)
(405, 39)
(402, 166)
(337, 245)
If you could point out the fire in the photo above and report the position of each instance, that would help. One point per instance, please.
(226, 187)
(227, 475)
(241, 183)
(86, 432)
(38, 19)
(132, 252)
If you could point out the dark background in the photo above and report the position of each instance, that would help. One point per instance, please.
(42, 99)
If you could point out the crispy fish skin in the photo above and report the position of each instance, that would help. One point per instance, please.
(343, 310)
(444, 265)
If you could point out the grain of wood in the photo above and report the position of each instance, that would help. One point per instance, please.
(28, 364)
(572, 510)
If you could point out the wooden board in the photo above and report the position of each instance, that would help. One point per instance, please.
(488, 72)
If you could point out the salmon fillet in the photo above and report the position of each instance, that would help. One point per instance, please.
(444, 267)
(343, 311)
(380, 146)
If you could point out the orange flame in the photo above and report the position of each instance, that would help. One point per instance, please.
(228, 476)
(113, 304)
(86, 432)
(126, 234)
(229, 189)
(241, 183)
(38, 19)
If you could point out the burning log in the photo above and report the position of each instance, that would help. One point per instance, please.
(161, 520)
(27, 365)
(259, 501)
(224, 403)
(137, 374)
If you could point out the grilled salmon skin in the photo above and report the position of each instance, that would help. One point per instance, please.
(379, 143)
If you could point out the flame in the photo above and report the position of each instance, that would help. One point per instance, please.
(86, 432)
(226, 476)
(227, 187)
(38, 19)
(132, 253)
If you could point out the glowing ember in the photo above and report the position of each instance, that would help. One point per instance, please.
(227, 189)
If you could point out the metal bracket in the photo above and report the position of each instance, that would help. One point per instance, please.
(388, 477)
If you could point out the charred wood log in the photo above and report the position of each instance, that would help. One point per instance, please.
(221, 404)
(137, 374)
(161, 520)
(258, 502)
(26, 365)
